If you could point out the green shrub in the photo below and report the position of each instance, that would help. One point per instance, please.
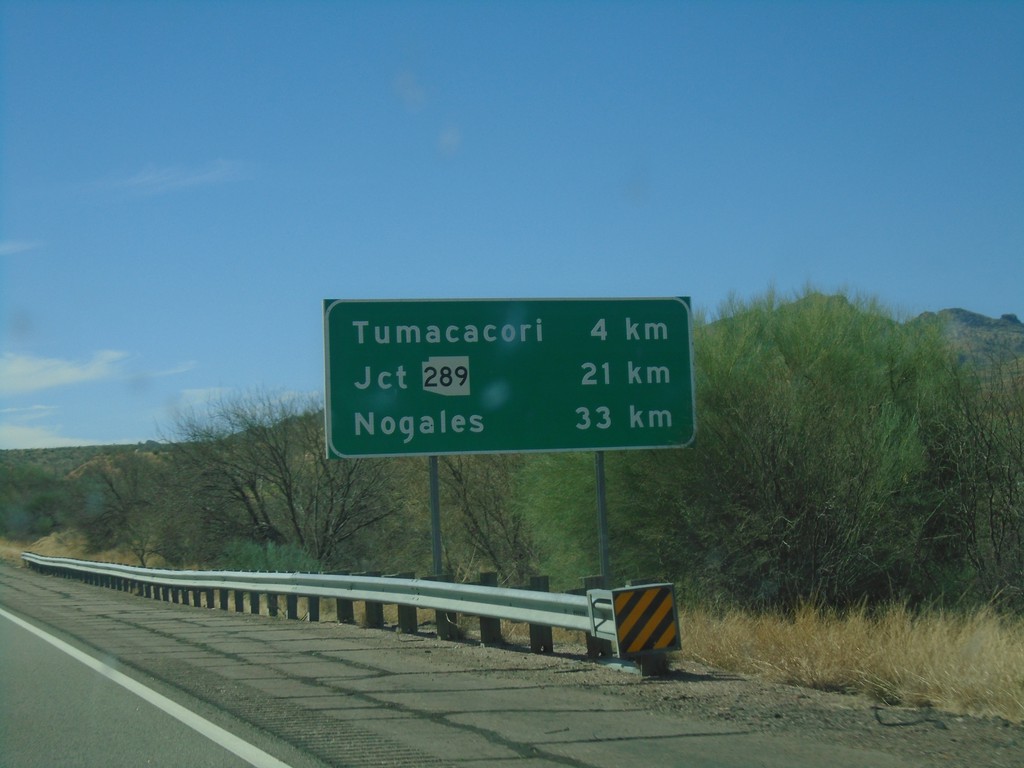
(240, 555)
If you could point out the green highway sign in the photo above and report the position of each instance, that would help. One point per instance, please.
(507, 376)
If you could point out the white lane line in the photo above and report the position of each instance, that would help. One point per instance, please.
(243, 749)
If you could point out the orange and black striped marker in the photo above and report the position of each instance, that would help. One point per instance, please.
(645, 619)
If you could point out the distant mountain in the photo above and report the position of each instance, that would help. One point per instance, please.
(980, 340)
(56, 462)
(60, 462)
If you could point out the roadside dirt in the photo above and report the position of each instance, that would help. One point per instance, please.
(922, 736)
(852, 720)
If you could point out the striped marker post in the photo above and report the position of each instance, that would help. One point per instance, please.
(645, 619)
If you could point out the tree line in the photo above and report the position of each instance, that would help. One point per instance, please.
(841, 456)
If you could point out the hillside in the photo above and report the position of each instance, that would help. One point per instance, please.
(980, 340)
(55, 462)
(58, 463)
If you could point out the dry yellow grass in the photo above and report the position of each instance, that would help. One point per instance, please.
(64, 544)
(11, 550)
(964, 662)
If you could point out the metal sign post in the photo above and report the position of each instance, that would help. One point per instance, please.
(429, 378)
(602, 521)
(435, 517)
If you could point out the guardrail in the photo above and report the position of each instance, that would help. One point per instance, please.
(638, 621)
(590, 613)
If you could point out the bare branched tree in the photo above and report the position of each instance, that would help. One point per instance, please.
(262, 473)
(133, 512)
(487, 526)
(984, 474)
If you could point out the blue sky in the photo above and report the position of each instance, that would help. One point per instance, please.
(183, 183)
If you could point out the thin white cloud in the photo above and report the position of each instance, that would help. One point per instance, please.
(188, 365)
(20, 436)
(158, 180)
(12, 247)
(193, 397)
(449, 140)
(17, 429)
(20, 374)
(410, 92)
(203, 399)
(31, 413)
(143, 378)
(191, 403)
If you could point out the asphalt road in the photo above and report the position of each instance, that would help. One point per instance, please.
(332, 694)
(56, 711)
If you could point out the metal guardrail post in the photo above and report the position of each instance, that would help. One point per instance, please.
(313, 603)
(446, 621)
(343, 608)
(540, 636)
(408, 618)
(373, 612)
(490, 628)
